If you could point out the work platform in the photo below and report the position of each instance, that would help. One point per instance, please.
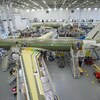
(35, 88)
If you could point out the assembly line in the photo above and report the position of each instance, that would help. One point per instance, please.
(32, 50)
(49, 49)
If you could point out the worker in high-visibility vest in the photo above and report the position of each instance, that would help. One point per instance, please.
(88, 58)
(88, 53)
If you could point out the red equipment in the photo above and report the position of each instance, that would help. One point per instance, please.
(97, 75)
(14, 90)
(88, 61)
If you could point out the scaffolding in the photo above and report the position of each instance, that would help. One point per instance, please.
(74, 62)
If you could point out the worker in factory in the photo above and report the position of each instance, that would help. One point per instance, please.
(80, 62)
(88, 58)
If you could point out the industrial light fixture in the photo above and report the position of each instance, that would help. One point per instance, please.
(27, 4)
(34, 3)
(95, 8)
(57, 20)
(40, 20)
(61, 8)
(49, 20)
(28, 10)
(60, 20)
(55, 8)
(74, 2)
(77, 8)
(49, 9)
(89, 9)
(45, 3)
(32, 10)
(66, 8)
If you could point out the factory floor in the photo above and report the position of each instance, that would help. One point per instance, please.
(68, 88)
(5, 88)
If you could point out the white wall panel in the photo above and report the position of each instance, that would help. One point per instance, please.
(52, 15)
(78, 14)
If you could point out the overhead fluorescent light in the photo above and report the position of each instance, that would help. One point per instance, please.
(77, 8)
(66, 8)
(55, 8)
(89, 8)
(60, 20)
(27, 4)
(61, 8)
(49, 9)
(45, 3)
(32, 10)
(49, 20)
(28, 10)
(95, 8)
(34, 3)
(57, 20)
(74, 2)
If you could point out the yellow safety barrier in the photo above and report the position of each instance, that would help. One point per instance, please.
(80, 70)
(96, 68)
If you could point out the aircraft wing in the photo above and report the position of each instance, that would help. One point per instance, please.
(96, 45)
(46, 36)
(94, 34)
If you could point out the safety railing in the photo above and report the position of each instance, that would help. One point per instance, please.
(74, 64)
(55, 95)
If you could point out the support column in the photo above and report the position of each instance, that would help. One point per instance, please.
(2, 29)
(5, 5)
(12, 15)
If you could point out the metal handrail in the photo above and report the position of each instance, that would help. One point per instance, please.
(51, 83)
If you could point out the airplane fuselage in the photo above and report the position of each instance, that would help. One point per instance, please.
(49, 44)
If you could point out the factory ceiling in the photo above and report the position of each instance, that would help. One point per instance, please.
(46, 4)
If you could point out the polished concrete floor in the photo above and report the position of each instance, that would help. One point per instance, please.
(5, 88)
(68, 88)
